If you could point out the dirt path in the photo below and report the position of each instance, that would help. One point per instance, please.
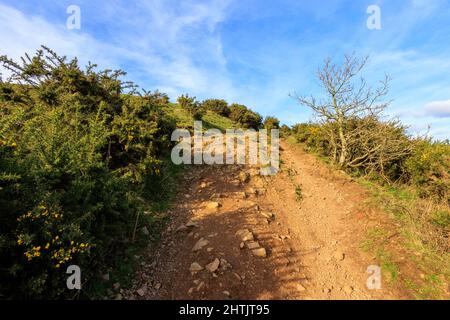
(311, 245)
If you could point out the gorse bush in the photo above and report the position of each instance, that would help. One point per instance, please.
(218, 106)
(83, 163)
(245, 117)
(428, 168)
(76, 155)
(312, 135)
(271, 123)
(192, 106)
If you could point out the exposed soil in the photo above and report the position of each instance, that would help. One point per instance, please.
(312, 243)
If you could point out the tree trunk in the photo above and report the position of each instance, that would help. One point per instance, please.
(343, 154)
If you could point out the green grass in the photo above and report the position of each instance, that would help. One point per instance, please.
(179, 115)
(213, 120)
(210, 120)
(414, 245)
(374, 243)
(441, 218)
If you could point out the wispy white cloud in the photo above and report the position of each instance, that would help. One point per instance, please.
(249, 52)
(174, 47)
(439, 109)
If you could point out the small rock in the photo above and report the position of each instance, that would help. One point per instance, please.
(227, 293)
(212, 205)
(339, 256)
(213, 266)
(261, 191)
(141, 292)
(195, 267)
(260, 252)
(158, 286)
(203, 185)
(300, 287)
(105, 276)
(200, 244)
(224, 264)
(200, 286)
(116, 286)
(242, 245)
(245, 235)
(209, 249)
(191, 224)
(242, 195)
(348, 289)
(237, 276)
(252, 245)
(326, 290)
(181, 228)
(267, 214)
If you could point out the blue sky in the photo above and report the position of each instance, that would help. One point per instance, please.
(254, 52)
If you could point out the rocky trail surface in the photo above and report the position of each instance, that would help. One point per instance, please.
(235, 234)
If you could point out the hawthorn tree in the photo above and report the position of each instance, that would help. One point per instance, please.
(350, 112)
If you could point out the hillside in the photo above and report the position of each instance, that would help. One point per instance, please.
(87, 179)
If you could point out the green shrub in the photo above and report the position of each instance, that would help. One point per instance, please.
(313, 136)
(77, 156)
(271, 123)
(428, 169)
(218, 106)
(285, 131)
(245, 117)
(192, 106)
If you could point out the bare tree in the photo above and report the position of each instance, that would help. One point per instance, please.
(347, 97)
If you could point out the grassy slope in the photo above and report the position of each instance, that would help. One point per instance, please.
(184, 120)
(416, 260)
